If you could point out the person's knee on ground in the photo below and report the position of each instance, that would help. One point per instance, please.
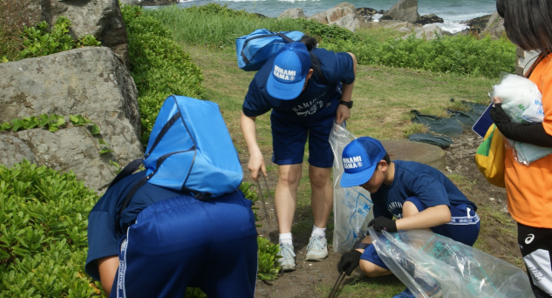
(372, 270)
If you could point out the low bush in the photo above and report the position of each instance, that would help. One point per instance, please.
(38, 41)
(218, 27)
(43, 238)
(159, 66)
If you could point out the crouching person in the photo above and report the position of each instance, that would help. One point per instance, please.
(416, 195)
(156, 232)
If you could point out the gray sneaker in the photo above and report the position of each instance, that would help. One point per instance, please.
(317, 249)
(287, 260)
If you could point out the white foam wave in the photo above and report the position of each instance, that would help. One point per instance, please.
(452, 27)
(293, 1)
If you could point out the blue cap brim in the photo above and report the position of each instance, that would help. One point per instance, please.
(356, 179)
(284, 91)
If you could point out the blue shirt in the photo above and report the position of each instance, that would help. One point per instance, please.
(336, 67)
(103, 237)
(413, 179)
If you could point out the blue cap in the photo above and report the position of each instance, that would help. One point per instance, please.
(289, 70)
(360, 159)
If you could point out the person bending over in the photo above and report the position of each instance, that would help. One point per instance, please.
(307, 89)
(173, 241)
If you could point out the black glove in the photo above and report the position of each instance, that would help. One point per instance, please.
(383, 223)
(349, 261)
(531, 133)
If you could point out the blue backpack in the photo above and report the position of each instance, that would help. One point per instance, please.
(189, 149)
(255, 48)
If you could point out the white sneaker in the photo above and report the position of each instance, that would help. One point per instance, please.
(287, 260)
(317, 249)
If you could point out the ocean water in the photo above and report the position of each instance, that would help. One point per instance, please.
(452, 11)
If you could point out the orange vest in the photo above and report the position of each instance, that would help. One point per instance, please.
(529, 188)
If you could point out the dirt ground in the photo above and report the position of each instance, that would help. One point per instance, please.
(497, 237)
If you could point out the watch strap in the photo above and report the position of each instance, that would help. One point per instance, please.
(348, 104)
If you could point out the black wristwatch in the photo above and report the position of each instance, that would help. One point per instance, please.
(348, 104)
(360, 245)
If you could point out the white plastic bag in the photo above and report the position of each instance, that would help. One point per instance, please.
(518, 95)
(352, 205)
(522, 102)
(460, 270)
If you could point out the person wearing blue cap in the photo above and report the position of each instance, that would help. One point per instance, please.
(307, 88)
(416, 195)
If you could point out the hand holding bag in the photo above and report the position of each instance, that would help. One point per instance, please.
(489, 157)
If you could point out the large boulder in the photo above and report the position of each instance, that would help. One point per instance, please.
(495, 26)
(429, 19)
(92, 82)
(404, 10)
(428, 32)
(343, 15)
(101, 18)
(292, 13)
(477, 24)
(157, 2)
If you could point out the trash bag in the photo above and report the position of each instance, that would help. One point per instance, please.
(439, 125)
(352, 205)
(431, 139)
(522, 102)
(421, 256)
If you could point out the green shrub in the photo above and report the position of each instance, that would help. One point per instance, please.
(38, 41)
(159, 66)
(218, 27)
(43, 238)
(268, 265)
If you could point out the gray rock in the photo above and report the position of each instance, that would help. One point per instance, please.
(495, 26)
(292, 13)
(343, 15)
(404, 10)
(427, 32)
(101, 18)
(92, 82)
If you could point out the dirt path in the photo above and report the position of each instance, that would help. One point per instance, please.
(497, 235)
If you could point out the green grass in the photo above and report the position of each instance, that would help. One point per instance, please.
(217, 27)
(383, 99)
(357, 287)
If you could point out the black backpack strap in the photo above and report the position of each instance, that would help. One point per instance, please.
(284, 37)
(317, 68)
(127, 171)
(127, 200)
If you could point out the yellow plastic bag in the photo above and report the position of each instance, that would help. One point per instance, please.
(489, 157)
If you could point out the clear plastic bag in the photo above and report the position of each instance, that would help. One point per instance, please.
(352, 205)
(460, 270)
(522, 102)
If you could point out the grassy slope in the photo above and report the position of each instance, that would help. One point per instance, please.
(383, 98)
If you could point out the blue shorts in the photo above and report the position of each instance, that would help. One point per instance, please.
(183, 242)
(289, 136)
(463, 227)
